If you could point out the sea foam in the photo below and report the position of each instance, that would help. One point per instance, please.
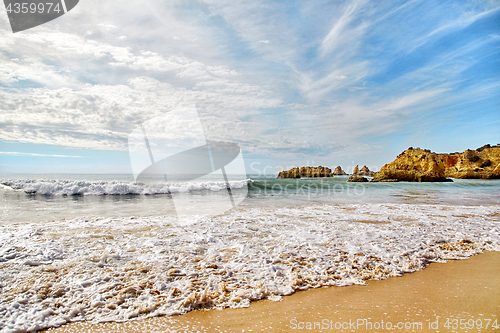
(115, 269)
(72, 187)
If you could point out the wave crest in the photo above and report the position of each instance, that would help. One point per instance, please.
(71, 187)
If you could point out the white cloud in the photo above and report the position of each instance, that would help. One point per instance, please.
(100, 117)
(67, 111)
(274, 78)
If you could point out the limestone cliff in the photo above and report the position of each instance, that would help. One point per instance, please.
(421, 165)
(482, 163)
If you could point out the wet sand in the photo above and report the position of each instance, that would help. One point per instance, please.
(460, 289)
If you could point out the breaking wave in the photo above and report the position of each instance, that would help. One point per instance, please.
(72, 187)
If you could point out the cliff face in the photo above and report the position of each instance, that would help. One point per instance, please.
(419, 165)
(306, 172)
(482, 163)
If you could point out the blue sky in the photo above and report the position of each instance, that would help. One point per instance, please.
(292, 82)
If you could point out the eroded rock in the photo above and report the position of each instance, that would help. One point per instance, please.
(339, 172)
(358, 179)
(306, 172)
(422, 165)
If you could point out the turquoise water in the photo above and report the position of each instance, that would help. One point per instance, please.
(49, 199)
(338, 190)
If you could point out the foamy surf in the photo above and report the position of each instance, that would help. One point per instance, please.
(117, 269)
(74, 187)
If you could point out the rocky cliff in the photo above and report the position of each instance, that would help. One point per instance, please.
(421, 165)
(482, 163)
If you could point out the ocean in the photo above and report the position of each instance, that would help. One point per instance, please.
(105, 248)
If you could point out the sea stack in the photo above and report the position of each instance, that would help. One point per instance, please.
(358, 179)
(339, 172)
(363, 172)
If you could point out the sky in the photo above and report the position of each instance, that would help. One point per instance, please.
(291, 82)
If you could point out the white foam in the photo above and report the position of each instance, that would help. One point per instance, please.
(72, 187)
(105, 269)
(6, 188)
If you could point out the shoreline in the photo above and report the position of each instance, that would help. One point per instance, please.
(466, 289)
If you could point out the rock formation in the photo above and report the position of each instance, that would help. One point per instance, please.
(413, 165)
(339, 172)
(421, 165)
(363, 172)
(292, 173)
(355, 178)
(482, 163)
(311, 172)
(306, 172)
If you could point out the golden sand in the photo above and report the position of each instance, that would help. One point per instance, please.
(467, 290)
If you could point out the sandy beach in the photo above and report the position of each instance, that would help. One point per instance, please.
(424, 301)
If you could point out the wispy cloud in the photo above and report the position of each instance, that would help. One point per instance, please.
(341, 30)
(15, 153)
(453, 25)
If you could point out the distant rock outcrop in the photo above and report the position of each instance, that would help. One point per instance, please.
(422, 165)
(292, 173)
(363, 172)
(321, 172)
(339, 172)
(306, 172)
(355, 178)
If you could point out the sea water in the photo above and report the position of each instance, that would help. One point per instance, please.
(105, 248)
